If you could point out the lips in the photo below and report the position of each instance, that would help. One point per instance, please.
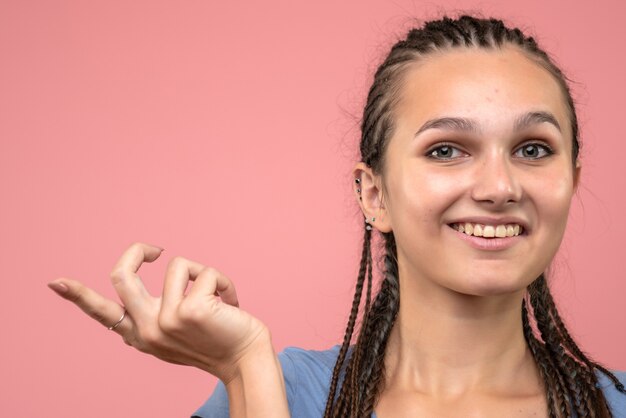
(490, 235)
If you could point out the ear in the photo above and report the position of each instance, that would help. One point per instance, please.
(369, 194)
(577, 170)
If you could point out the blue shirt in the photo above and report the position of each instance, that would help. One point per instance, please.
(307, 375)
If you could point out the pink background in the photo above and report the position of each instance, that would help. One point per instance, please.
(225, 132)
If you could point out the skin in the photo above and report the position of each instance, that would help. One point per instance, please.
(457, 348)
(204, 327)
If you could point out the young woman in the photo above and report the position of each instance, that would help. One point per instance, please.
(469, 161)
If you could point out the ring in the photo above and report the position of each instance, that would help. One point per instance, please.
(112, 327)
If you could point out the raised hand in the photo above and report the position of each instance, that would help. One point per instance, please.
(203, 327)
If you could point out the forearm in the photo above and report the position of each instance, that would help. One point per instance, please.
(258, 390)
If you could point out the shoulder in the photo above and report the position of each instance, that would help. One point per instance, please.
(615, 398)
(307, 375)
(317, 363)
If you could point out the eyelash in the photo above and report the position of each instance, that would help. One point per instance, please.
(430, 152)
(546, 149)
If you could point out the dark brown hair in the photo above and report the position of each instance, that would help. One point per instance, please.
(568, 374)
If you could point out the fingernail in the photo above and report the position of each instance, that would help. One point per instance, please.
(59, 288)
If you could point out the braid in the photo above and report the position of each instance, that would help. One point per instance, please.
(544, 324)
(567, 373)
(577, 381)
(379, 330)
(365, 255)
(543, 360)
(366, 370)
(580, 363)
(572, 347)
(358, 352)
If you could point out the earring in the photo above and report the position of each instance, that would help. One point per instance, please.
(358, 189)
(367, 223)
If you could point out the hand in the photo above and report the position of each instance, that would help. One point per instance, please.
(204, 328)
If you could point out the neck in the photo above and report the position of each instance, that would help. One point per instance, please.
(448, 344)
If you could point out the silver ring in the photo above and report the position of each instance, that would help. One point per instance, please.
(112, 327)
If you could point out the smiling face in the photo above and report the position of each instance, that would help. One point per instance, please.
(481, 138)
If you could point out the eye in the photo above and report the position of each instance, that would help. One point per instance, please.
(534, 151)
(444, 152)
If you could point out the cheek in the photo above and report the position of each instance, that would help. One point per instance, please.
(553, 195)
(426, 194)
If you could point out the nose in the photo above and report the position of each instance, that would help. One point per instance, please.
(496, 183)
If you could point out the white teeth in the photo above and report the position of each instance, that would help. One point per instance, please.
(488, 231)
(510, 231)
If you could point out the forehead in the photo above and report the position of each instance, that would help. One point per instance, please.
(491, 86)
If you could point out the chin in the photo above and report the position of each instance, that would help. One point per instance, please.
(492, 286)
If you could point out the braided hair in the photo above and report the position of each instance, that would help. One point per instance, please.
(570, 382)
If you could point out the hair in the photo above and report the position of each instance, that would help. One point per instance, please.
(570, 382)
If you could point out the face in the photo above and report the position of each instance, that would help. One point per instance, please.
(482, 142)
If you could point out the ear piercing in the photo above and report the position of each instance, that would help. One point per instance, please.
(367, 221)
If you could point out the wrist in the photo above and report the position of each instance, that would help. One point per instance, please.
(256, 387)
(259, 353)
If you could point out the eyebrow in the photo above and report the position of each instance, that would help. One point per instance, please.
(470, 125)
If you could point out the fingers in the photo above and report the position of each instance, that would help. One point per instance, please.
(179, 271)
(124, 276)
(208, 282)
(103, 310)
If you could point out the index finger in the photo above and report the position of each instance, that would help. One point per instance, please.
(124, 275)
(103, 310)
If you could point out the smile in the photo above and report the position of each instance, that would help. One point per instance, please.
(488, 231)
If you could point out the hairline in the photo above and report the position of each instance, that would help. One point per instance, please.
(419, 59)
